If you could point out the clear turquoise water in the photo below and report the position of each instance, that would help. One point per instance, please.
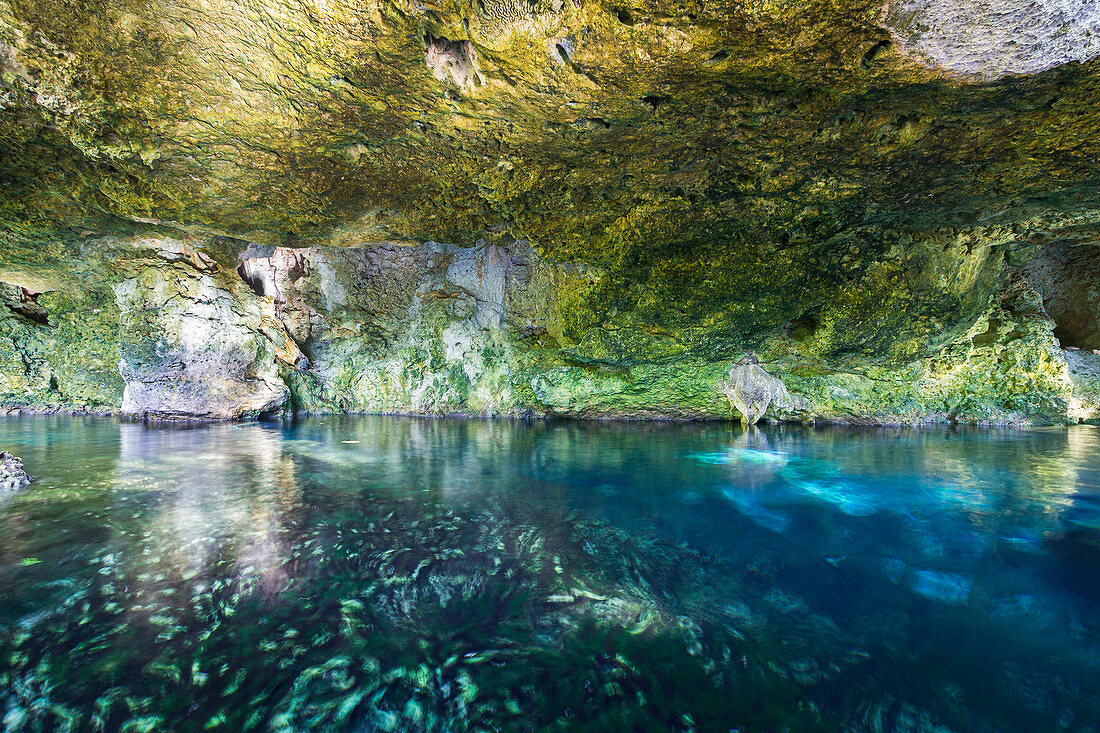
(401, 574)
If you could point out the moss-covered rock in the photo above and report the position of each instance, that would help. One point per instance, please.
(498, 330)
(849, 190)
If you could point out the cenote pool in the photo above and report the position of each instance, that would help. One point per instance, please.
(403, 574)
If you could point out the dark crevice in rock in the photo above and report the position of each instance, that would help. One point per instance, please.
(593, 122)
(259, 274)
(653, 101)
(874, 52)
(252, 282)
(988, 336)
(802, 328)
(1068, 277)
(623, 16)
(25, 304)
(718, 57)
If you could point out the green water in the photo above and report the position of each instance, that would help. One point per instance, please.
(401, 574)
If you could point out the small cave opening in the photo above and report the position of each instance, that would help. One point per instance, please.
(803, 327)
(259, 274)
(653, 101)
(874, 52)
(1068, 278)
(24, 302)
(718, 57)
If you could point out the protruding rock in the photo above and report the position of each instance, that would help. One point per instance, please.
(752, 390)
(195, 345)
(453, 61)
(992, 40)
(12, 475)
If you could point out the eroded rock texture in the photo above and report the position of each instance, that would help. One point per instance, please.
(191, 346)
(12, 475)
(227, 209)
(753, 391)
(994, 38)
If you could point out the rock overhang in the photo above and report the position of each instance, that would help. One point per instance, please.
(733, 169)
(420, 122)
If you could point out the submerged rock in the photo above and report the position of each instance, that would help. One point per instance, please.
(943, 587)
(12, 475)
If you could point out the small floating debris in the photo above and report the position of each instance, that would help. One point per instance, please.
(351, 442)
(29, 561)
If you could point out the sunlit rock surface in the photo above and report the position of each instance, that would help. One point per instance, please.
(994, 38)
(549, 208)
(753, 391)
(190, 345)
(12, 475)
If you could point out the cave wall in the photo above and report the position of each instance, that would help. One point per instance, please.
(1068, 277)
(229, 209)
(192, 344)
(184, 327)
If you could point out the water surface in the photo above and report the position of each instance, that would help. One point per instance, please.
(402, 574)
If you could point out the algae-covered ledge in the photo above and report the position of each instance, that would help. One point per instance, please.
(577, 209)
(492, 330)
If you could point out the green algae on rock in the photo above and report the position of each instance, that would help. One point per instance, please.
(231, 209)
(494, 330)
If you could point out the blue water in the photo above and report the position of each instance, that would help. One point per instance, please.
(403, 574)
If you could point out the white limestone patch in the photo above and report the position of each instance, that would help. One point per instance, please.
(995, 38)
(482, 271)
(454, 62)
(193, 346)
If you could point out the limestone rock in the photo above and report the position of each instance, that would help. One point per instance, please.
(752, 390)
(193, 345)
(433, 329)
(994, 39)
(12, 475)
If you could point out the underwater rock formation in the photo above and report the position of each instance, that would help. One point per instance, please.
(12, 475)
(499, 208)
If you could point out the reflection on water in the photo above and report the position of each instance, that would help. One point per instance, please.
(400, 574)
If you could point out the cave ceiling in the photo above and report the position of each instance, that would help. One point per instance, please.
(732, 165)
(594, 129)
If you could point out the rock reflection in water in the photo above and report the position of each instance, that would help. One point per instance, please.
(404, 574)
